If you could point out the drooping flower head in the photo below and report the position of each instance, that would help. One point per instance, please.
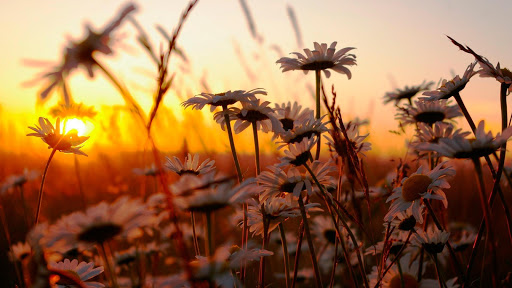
(321, 59)
(224, 99)
(290, 115)
(67, 143)
(452, 87)
(407, 93)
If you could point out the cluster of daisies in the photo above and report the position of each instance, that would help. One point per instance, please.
(306, 220)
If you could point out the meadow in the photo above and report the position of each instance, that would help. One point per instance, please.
(234, 188)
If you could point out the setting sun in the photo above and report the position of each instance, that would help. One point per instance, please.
(75, 124)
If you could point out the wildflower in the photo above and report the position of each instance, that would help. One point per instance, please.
(406, 93)
(432, 134)
(419, 185)
(67, 143)
(222, 99)
(252, 112)
(239, 255)
(321, 59)
(20, 251)
(125, 217)
(73, 110)
(276, 181)
(394, 244)
(355, 140)
(147, 171)
(306, 128)
(82, 53)
(428, 112)
(452, 87)
(298, 153)
(460, 147)
(502, 75)
(82, 272)
(277, 209)
(406, 220)
(18, 180)
(190, 165)
(433, 240)
(290, 115)
(407, 273)
(465, 240)
(210, 192)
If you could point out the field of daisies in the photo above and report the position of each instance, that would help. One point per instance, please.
(316, 212)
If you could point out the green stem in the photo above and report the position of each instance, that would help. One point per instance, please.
(256, 147)
(285, 254)
(318, 278)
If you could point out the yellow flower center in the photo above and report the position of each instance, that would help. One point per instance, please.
(415, 186)
(409, 281)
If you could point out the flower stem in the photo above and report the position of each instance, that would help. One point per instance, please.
(266, 223)
(209, 240)
(297, 253)
(106, 260)
(232, 144)
(79, 180)
(318, 82)
(25, 208)
(40, 198)
(285, 254)
(487, 216)
(442, 284)
(9, 242)
(196, 244)
(318, 278)
(256, 147)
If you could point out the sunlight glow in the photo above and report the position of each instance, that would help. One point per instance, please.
(75, 124)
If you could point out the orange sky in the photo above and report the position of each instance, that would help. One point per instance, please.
(398, 43)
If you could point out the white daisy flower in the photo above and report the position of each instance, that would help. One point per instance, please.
(82, 272)
(298, 153)
(460, 147)
(210, 192)
(466, 239)
(321, 59)
(18, 180)
(67, 143)
(394, 277)
(419, 185)
(255, 112)
(354, 139)
(450, 88)
(406, 93)
(190, 165)
(291, 115)
(428, 112)
(147, 171)
(432, 134)
(20, 251)
(222, 99)
(125, 217)
(307, 127)
(433, 240)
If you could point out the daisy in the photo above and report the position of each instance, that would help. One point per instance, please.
(298, 153)
(395, 243)
(452, 87)
(252, 112)
(20, 251)
(222, 99)
(305, 128)
(406, 220)
(18, 180)
(465, 240)
(67, 143)
(82, 272)
(433, 240)
(190, 165)
(206, 193)
(290, 115)
(320, 59)
(407, 273)
(277, 209)
(428, 112)
(82, 53)
(419, 185)
(73, 110)
(406, 93)
(432, 134)
(147, 171)
(460, 147)
(239, 255)
(276, 181)
(355, 140)
(100, 223)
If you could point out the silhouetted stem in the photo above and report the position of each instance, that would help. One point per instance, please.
(297, 253)
(285, 254)
(40, 198)
(209, 240)
(318, 82)
(256, 147)
(79, 180)
(9, 242)
(318, 278)
(111, 273)
(196, 244)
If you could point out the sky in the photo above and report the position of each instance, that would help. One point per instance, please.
(397, 43)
